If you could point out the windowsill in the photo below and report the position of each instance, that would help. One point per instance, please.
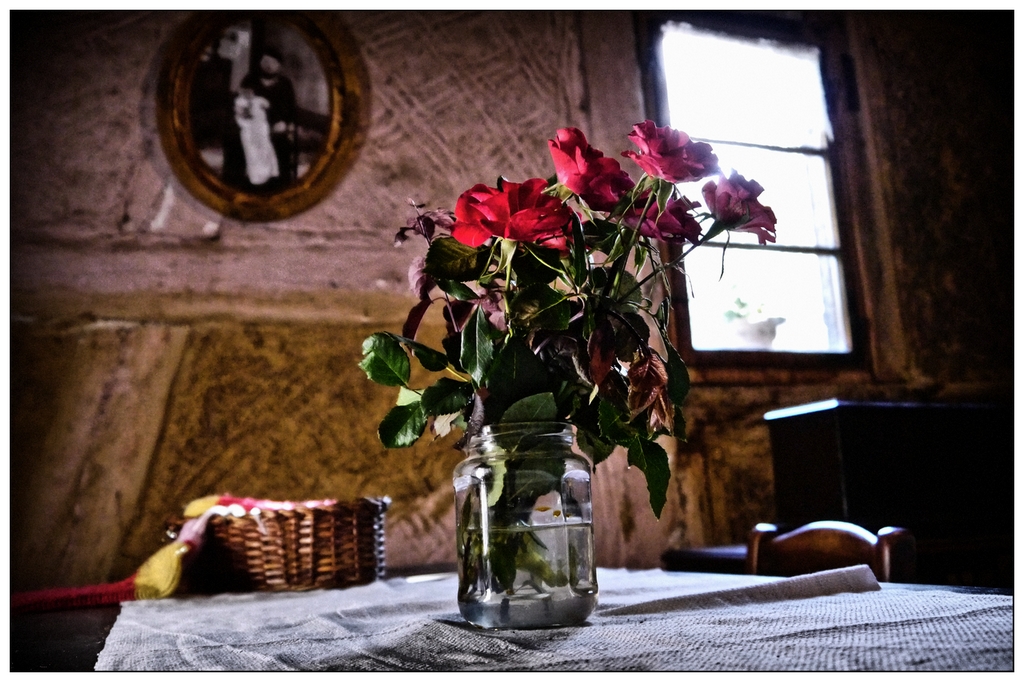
(777, 376)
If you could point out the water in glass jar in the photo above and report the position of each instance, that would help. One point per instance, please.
(555, 577)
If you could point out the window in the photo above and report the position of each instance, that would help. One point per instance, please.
(760, 103)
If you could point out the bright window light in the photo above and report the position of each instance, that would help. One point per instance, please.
(762, 106)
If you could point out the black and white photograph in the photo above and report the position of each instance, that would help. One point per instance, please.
(259, 106)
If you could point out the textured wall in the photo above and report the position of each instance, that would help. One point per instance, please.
(87, 412)
(97, 208)
(160, 353)
(282, 423)
(939, 90)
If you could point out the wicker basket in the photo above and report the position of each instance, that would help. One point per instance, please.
(293, 546)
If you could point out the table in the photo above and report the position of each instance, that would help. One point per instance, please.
(646, 620)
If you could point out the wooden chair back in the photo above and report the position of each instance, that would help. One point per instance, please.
(824, 545)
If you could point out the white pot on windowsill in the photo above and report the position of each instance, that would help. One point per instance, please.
(757, 333)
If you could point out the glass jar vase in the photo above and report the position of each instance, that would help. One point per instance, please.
(524, 529)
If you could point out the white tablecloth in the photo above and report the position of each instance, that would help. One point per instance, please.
(646, 620)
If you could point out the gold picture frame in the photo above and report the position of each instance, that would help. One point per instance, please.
(223, 97)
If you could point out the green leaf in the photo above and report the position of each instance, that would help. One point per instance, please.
(502, 557)
(402, 426)
(598, 448)
(431, 359)
(579, 253)
(528, 478)
(631, 332)
(651, 458)
(535, 264)
(678, 376)
(716, 229)
(446, 397)
(662, 315)
(450, 259)
(497, 483)
(600, 234)
(407, 396)
(507, 249)
(538, 306)
(384, 360)
(517, 373)
(535, 558)
(613, 424)
(615, 390)
(453, 350)
(664, 190)
(531, 483)
(614, 247)
(477, 347)
(628, 198)
(679, 430)
(457, 290)
(639, 259)
(535, 408)
(627, 283)
(646, 183)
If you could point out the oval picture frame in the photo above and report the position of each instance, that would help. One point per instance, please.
(227, 127)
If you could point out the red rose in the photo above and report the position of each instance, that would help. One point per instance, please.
(670, 154)
(673, 226)
(517, 211)
(594, 177)
(733, 204)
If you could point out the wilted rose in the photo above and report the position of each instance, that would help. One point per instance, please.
(516, 211)
(670, 154)
(673, 226)
(588, 173)
(733, 204)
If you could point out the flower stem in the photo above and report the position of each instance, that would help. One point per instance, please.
(675, 261)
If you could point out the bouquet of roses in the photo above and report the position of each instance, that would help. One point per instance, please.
(545, 288)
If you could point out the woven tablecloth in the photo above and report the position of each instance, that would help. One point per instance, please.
(646, 620)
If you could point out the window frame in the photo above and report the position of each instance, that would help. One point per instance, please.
(822, 30)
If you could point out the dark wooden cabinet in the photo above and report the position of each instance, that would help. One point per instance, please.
(945, 472)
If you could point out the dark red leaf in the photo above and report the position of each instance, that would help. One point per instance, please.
(420, 282)
(601, 349)
(662, 414)
(412, 322)
(648, 380)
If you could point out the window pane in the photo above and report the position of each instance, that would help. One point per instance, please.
(726, 88)
(766, 300)
(796, 188)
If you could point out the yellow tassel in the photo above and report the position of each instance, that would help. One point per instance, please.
(160, 575)
(195, 508)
